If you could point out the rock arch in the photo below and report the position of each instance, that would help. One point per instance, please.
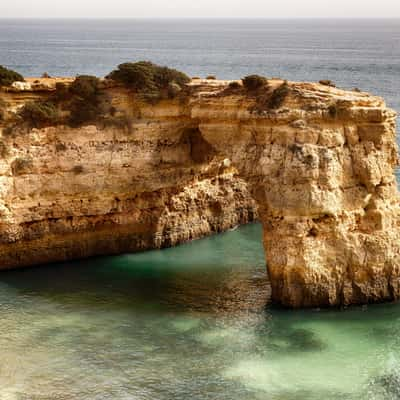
(320, 166)
(322, 172)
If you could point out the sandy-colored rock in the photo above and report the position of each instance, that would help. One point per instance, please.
(320, 169)
(326, 191)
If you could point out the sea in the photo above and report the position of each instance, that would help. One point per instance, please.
(194, 321)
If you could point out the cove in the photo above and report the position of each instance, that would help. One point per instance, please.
(192, 321)
(314, 162)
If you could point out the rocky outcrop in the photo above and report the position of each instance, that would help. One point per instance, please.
(321, 170)
(319, 166)
(72, 193)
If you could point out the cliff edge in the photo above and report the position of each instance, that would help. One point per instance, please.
(318, 162)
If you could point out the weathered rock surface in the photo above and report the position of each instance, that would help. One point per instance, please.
(320, 169)
(68, 193)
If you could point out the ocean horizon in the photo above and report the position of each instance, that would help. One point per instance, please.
(361, 53)
(193, 321)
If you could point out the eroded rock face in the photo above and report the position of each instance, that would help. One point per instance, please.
(73, 193)
(320, 168)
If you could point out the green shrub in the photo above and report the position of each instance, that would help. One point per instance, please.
(173, 90)
(39, 113)
(84, 104)
(82, 112)
(211, 77)
(327, 82)
(163, 76)
(152, 81)
(61, 93)
(234, 85)
(82, 100)
(231, 89)
(271, 100)
(7, 76)
(138, 76)
(254, 82)
(85, 87)
(278, 96)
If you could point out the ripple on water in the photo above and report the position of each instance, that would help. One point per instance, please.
(189, 322)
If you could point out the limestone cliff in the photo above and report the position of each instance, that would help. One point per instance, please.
(71, 193)
(319, 166)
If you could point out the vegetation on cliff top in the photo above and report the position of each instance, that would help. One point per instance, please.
(278, 96)
(327, 82)
(271, 99)
(84, 100)
(75, 105)
(254, 82)
(39, 113)
(8, 76)
(258, 87)
(234, 85)
(151, 81)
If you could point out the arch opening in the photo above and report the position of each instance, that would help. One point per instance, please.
(329, 219)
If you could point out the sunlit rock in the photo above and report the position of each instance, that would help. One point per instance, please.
(319, 164)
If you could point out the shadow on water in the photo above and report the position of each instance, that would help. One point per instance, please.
(209, 275)
(187, 322)
(153, 323)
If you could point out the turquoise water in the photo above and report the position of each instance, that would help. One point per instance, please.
(192, 322)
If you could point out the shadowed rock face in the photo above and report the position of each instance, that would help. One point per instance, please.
(320, 168)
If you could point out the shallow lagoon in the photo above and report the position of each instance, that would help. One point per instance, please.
(192, 322)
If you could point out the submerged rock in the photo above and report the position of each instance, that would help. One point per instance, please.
(387, 386)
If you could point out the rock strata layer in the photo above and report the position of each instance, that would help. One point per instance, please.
(320, 168)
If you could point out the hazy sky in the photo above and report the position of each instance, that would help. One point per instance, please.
(199, 8)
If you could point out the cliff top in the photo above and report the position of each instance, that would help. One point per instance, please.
(206, 87)
(87, 100)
